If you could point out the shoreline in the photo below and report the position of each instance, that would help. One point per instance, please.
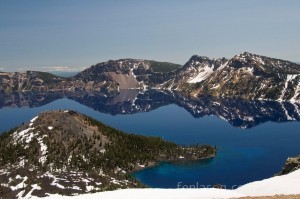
(154, 164)
(179, 161)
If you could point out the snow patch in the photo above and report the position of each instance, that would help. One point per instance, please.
(288, 117)
(69, 159)
(288, 79)
(250, 70)
(141, 165)
(76, 188)
(202, 75)
(297, 93)
(89, 188)
(34, 187)
(215, 86)
(55, 181)
(259, 60)
(132, 73)
(223, 65)
(24, 135)
(296, 108)
(216, 103)
(20, 185)
(33, 119)
(102, 151)
(84, 158)
(43, 150)
(249, 119)
(22, 162)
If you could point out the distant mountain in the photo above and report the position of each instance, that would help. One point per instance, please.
(127, 74)
(246, 76)
(251, 76)
(69, 153)
(29, 81)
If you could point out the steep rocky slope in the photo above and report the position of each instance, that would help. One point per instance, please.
(251, 76)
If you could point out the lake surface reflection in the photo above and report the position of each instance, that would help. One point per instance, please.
(253, 138)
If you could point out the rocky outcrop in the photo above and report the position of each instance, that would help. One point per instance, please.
(291, 164)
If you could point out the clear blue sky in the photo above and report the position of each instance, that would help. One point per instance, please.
(74, 34)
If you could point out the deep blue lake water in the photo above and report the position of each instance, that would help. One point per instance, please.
(243, 155)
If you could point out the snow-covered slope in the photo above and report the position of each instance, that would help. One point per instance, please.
(204, 72)
(279, 185)
(158, 194)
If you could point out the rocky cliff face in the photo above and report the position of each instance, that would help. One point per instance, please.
(246, 76)
(291, 164)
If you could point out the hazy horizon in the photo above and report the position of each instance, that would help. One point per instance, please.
(73, 35)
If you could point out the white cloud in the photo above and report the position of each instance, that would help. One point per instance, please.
(23, 69)
(51, 69)
(1, 68)
(60, 68)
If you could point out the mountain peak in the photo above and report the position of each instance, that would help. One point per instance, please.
(198, 57)
(245, 54)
